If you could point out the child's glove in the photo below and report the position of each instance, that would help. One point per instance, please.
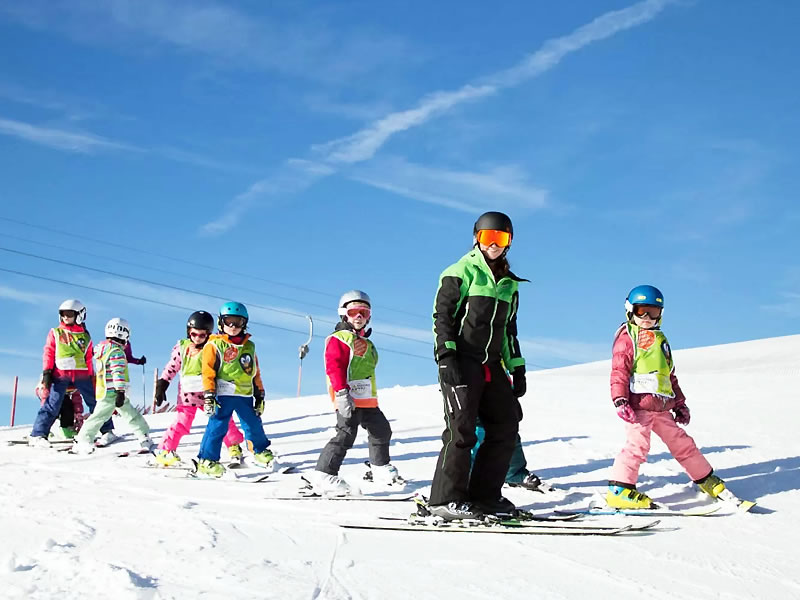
(624, 410)
(258, 401)
(143, 360)
(520, 383)
(682, 415)
(43, 389)
(120, 399)
(210, 404)
(161, 391)
(344, 403)
(449, 370)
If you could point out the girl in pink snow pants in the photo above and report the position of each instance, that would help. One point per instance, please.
(647, 397)
(185, 359)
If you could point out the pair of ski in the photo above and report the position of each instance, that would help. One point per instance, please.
(231, 474)
(726, 500)
(540, 526)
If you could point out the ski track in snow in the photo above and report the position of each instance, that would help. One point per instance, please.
(100, 527)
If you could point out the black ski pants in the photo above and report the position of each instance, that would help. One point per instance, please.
(490, 397)
(379, 433)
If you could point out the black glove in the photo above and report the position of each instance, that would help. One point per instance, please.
(210, 404)
(682, 414)
(449, 370)
(161, 391)
(520, 383)
(258, 401)
(143, 360)
(120, 399)
(47, 378)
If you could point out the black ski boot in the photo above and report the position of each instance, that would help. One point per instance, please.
(501, 507)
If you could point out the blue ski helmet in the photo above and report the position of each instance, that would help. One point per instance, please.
(643, 294)
(233, 309)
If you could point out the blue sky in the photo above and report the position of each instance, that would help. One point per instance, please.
(282, 153)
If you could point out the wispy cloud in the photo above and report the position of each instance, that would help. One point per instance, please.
(19, 353)
(89, 143)
(295, 176)
(81, 142)
(467, 191)
(303, 46)
(790, 306)
(544, 351)
(365, 143)
(26, 297)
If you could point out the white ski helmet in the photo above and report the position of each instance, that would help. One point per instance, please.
(118, 328)
(75, 305)
(353, 296)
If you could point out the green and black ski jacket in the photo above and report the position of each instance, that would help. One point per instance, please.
(475, 315)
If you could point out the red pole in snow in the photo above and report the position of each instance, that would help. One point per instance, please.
(14, 400)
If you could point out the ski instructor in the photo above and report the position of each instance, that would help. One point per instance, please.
(475, 337)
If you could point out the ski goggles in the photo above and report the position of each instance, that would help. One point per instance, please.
(198, 333)
(356, 311)
(644, 310)
(239, 322)
(68, 313)
(487, 237)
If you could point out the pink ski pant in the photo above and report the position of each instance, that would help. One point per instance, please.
(183, 425)
(637, 446)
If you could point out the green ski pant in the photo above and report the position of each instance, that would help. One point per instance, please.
(104, 409)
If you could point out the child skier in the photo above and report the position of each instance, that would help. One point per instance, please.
(186, 360)
(645, 389)
(350, 361)
(475, 329)
(66, 363)
(111, 386)
(231, 383)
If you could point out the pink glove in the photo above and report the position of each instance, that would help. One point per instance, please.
(682, 415)
(624, 410)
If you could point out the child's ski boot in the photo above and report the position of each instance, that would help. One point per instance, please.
(384, 475)
(325, 484)
(167, 458)
(625, 496)
(711, 485)
(265, 459)
(210, 469)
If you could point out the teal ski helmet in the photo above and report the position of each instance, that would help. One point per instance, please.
(644, 294)
(233, 309)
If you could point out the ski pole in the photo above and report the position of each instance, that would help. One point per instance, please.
(144, 396)
(14, 400)
(303, 351)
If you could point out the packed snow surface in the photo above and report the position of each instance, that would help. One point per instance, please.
(103, 527)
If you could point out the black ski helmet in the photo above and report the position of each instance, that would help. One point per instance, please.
(494, 220)
(200, 320)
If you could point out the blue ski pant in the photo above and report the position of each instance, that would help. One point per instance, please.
(50, 410)
(218, 426)
(517, 468)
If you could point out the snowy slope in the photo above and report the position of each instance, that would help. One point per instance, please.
(101, 527)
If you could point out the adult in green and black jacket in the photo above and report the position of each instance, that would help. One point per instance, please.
(475, 329)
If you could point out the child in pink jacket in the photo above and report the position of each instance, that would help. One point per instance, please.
(647, 397)
(185, 359)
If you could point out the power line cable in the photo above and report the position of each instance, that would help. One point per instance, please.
(74, 235)
(160, 270)
(178, 306)
(185, 290)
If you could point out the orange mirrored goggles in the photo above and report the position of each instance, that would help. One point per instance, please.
(356, 311)
(487, 237)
